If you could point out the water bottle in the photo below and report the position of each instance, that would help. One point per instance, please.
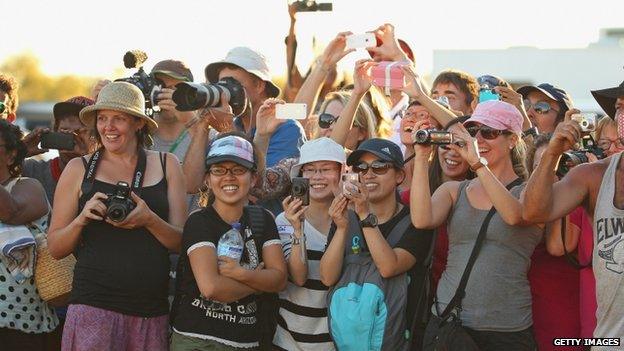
(231, 243)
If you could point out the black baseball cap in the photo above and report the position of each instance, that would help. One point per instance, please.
(553, 92)
(386, 150)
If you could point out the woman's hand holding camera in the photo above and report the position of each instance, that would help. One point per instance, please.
(469, 149)
(338, 211)
(335, 51)
(362, 80)
(389, 49)
(94, 209)
(422, 151)
(359, 199)
(266, 123)
(140, 216)
(510, 96)
(294, 212)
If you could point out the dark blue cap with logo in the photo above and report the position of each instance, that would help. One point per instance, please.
(386, 150)
(553, 92)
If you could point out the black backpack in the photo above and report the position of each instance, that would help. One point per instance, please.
(254, 216)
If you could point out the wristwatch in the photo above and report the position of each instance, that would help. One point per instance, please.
(482, 162)
(369, 222)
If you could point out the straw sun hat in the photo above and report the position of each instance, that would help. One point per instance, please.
(122, 97)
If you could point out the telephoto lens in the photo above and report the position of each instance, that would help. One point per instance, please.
(193, 96)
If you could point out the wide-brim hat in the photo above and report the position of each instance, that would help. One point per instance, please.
(248, 60)
(122, 97)
(606, 98)
(321, 149)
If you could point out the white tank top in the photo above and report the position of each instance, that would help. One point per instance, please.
(608, 259)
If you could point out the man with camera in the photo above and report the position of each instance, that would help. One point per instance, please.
(546, 105)
(68, 135)
(597, 186)
(249, 68)
(8, 97)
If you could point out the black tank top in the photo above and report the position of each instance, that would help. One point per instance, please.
(123, 270)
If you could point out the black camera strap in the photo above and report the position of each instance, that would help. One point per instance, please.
(94, 162)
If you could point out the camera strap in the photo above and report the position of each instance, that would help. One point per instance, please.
(92, 165)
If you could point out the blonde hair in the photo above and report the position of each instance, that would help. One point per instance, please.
(602, 124)
(364, 116)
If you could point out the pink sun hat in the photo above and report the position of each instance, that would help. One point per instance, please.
(498, 115)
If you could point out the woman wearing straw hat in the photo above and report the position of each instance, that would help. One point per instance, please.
(119, 296)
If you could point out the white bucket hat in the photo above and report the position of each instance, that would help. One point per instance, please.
(247, 59)
(321, 149)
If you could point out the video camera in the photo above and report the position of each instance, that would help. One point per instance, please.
(147, 83)
(312, 6)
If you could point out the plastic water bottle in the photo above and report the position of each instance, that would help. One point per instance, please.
(231, 243)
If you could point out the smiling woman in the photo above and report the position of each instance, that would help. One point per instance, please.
(112, 248)
(216, 304)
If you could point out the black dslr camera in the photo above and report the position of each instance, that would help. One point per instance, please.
(312, 6)
(570, 159)
(193, 96)
(119, 204)
(147, 83)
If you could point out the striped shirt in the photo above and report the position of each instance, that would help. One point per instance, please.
(302, 322)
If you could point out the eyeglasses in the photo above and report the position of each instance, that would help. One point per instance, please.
(540, 107)
(221, 171)
(487, 133)
(310, 172)
(605, 144)
(326, 120)
(378, 167)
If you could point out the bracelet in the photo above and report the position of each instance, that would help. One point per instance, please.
(297, 241)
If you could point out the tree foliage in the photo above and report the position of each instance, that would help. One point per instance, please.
(35, 85)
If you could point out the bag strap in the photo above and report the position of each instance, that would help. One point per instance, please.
(455, 302)
(397, 232)
(254, 215)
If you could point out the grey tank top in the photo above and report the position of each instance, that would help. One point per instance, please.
(498, 295)
(608, 258)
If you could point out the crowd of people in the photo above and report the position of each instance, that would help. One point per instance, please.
(241, 230)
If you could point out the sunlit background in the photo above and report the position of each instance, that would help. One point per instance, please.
(524, 42)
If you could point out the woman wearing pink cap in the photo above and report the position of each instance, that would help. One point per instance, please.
(496, 308)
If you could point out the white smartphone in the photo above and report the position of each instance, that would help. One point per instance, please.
(290, 111)
(366, 40)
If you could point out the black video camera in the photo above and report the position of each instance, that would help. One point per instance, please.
(193, 96)
(312, 6)
(119, 204)
(570, 159)
(147, 83)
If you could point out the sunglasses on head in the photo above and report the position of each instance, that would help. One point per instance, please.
(326, 120)
(540, 107)
(378, 167)
(487, 133)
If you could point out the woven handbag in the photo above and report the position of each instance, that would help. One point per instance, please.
(53, 277)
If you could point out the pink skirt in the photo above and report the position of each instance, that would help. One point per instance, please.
(90, 328)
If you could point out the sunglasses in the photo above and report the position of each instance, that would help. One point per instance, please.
(487, 133)
(326, 120)
(540, 107)
(378, 167)
(3, 108)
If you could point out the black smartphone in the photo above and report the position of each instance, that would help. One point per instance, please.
(301, 189)
(58, 141)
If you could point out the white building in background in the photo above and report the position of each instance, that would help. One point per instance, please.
(599, 65)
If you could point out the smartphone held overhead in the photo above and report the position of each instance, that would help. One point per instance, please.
(291, 111)
(357, 41)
